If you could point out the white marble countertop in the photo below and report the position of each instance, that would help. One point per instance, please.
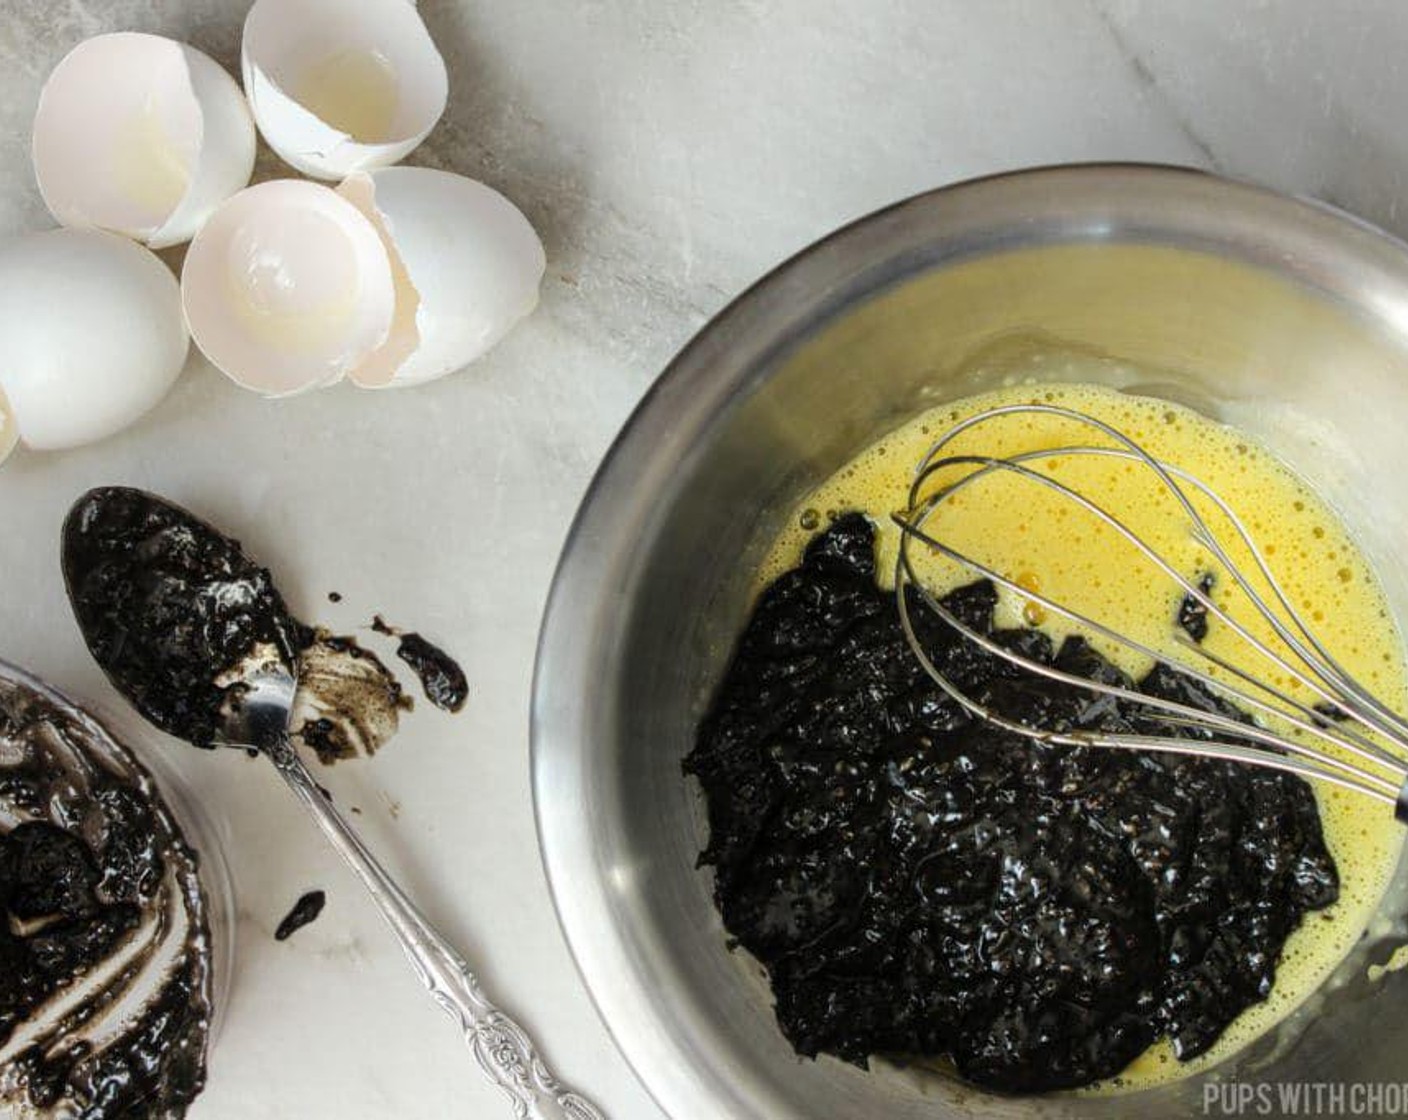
(669, 151)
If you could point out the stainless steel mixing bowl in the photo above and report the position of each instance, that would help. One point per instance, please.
(1283, 316)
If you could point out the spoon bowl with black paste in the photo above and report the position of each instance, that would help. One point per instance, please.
(195, 635)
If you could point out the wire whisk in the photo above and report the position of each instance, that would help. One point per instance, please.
(1344, 735)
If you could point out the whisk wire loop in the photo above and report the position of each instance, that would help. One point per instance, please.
(1354, 726)
(1171, 710)
(1310, 679)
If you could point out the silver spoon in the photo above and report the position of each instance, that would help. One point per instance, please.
(502, 1048)
(259, 705)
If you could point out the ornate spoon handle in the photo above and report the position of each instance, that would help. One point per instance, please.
(503, 1049)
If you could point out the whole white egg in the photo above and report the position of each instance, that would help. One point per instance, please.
(93, 335)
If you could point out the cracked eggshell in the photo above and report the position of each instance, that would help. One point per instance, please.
(93, 335)
(140, 135)
(469, 263)
(288, 288)
(338, 87)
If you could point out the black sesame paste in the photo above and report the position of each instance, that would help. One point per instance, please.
(920, 884)
(1192, 614)
(169, 606)
(350, 702)
(305, 911)
(104, 946)
(441, 678)
(326, 739)
(178, 617)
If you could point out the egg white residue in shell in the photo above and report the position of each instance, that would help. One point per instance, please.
(338, 87)
(288, 287)
(469, 266)
(140, 135)
(93, 335)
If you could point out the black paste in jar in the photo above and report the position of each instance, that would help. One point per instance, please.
(94, 871)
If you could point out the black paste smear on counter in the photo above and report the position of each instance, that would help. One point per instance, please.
(304, 912)
(918, 883)
(327, 740)
(377, 694)
(167, 604)
(75, 889)
(441, 677)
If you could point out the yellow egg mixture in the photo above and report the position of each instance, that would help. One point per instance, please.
(1048, 544)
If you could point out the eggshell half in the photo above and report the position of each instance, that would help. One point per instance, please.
(93, 334)
(288, 287)
(338, 87)
(140, 135)
(472, 258)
